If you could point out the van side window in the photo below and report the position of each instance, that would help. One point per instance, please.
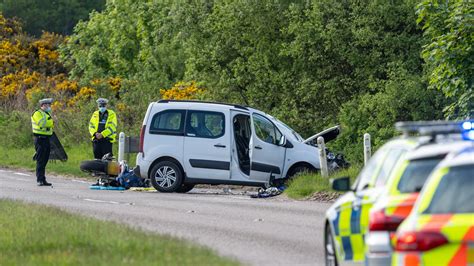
(169, 122)
(265, 130)
(205, 124)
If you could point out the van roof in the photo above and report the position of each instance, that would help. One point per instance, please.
(204, 102)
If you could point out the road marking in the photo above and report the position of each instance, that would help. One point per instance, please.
(102, 201)
(17, 178)
(17, 173)
(80, 181)
(241, 198)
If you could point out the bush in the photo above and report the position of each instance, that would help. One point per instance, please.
(402, 98)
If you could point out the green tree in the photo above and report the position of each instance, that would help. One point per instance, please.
(58, 16)
(403, 97)
(342, 49)
(236, 53)
(449, 26)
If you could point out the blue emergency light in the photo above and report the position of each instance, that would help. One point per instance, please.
(467, 130)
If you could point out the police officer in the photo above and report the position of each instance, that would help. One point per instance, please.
(42, 125)
(103, 127)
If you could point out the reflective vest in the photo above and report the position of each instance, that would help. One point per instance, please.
(42, 123)
(110, 129)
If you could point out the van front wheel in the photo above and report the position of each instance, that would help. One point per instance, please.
(166, 176)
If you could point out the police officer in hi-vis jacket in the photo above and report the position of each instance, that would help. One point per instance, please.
(42, 124)
(103, 127)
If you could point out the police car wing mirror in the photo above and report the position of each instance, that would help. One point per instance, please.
(341, 184)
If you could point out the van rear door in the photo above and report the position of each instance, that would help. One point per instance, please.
(207, 145)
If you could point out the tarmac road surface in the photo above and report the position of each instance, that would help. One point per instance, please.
(270, 231)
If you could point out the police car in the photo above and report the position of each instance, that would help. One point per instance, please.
(440, 229)
(347, 220)
(402, 190)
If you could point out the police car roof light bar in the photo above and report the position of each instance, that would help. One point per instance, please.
(430, 127)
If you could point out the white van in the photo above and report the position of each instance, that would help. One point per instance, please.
(183, 143)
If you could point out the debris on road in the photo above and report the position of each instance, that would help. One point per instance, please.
(269, 192)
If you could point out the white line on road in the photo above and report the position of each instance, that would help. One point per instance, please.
(80, 181)
(16, 173)
(102, 201)
(17, 178)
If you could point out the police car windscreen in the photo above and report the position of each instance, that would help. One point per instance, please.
(416, 174)
(455, 192)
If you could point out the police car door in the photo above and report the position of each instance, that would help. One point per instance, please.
(351, 217)
(267, 156)
(367, 192)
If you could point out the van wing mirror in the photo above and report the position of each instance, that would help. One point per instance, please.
(282, 141)
(341, 184)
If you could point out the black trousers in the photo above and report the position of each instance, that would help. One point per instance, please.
(101, 147)
(43, 148)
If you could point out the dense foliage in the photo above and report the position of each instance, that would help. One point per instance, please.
(59, 16)
(312, 64)
(449, 26)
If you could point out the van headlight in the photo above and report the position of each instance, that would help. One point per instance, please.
(330, 156)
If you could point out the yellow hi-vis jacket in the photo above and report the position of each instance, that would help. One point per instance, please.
(110, 125)
(42, 123)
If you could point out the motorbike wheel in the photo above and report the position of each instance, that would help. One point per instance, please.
(94, 166)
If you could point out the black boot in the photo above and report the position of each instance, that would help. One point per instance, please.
(43, 183)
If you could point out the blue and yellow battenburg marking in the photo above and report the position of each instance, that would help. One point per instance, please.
(350, 226)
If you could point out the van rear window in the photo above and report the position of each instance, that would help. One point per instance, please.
(169, 122)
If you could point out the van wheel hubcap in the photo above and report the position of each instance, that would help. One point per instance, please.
(165, 176)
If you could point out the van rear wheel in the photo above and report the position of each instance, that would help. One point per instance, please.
(166, 176)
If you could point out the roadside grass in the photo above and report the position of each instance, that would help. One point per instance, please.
(39, 235)
(307, 184)
(22, 158)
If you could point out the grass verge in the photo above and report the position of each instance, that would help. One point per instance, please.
(307, 184)
(39, 235)
(22, 158)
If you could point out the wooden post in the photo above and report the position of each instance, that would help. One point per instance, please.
(367, 148)
(322, 157)
(121, 147)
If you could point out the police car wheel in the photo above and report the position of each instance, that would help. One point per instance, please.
(166, 176)
(329, 249)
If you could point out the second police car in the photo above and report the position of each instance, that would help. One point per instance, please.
(440, 229)
(347, 220)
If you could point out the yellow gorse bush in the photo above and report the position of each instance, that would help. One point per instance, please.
(30, 69)
(182, 91)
